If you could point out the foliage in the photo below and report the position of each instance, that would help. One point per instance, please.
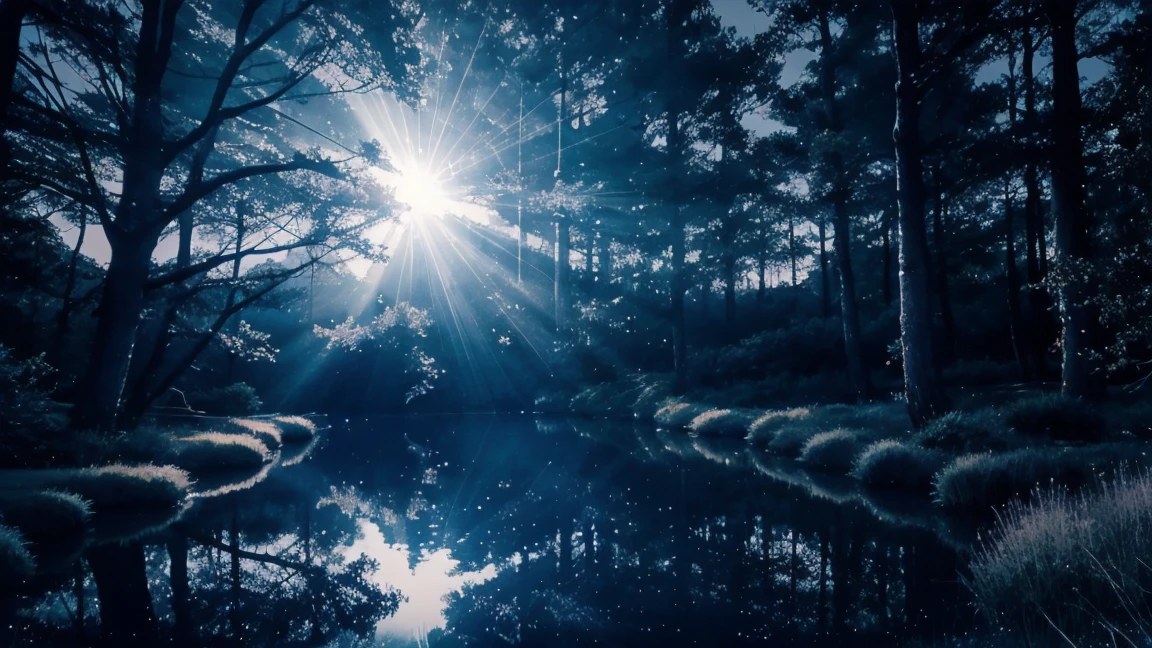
(892, 464)
(24, 392)
(294, 429)
(16, 563)
(964, 432)
(265, 431)
(678, 414)
(721, 422)
(119, 487)
(237, 399)
(1056, 417)
(835, 450)
(1071, 566)
(214, 451)
(45, 517)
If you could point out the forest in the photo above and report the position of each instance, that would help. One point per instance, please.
(893, 255)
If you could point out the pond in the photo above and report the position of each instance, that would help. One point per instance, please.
(494, 530)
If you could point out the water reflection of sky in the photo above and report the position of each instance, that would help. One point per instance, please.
(434, 577)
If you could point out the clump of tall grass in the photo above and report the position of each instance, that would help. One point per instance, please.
(650, 399)
(678, 414)
(16, 562)
(214, 451)
(967, 432)
(721, 422)
(294, 429)
(789, 441)
(119, 486)
(978, 481)
(1057, 417)
(835, 450)
(891, 464)
(1076, 566)
(45, 517)
(264, 430)
(764, 428)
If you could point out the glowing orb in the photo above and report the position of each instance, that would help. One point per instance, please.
(421, 191)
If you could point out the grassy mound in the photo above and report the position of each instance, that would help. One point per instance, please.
(790, 441)
(721, 422)
(295, 429)
(968, 432)
(213, 451)
(266, 431)
(1078, 563)
(762, 430)
(978, 481)
(835, 450)
(678, 414)
(119, 486)
(44, 517)
(1056, 417)
(891, 464)
(16, 563)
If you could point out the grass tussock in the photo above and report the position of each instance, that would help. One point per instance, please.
(764, 428)
(1076, 565)
(836, 450)
(120, 486)
(678, 414)
(969, 432)
(295, 429)
(266, 431)
(16, 562)
(721, 422)
(44, 517)
(891, 464)
(790, 441)
(1056, 417)
(978, 481)
(216, 451)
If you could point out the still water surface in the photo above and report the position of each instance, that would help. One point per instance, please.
(493, 531)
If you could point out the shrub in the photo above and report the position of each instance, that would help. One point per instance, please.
(835, 450)
(962, 432)
(1079, 563)
(46, 516)
(213, 451)
(294, 429)
(678, 414)
(119, 486)
(651, 398)
(978, 481)
(237, 399)
(891, 464)
(16, 563)
(764, 428)
(790, 441)
(1056, 417)
(721, 422)
(266, 431)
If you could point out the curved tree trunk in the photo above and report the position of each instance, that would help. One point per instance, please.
(1079, 377)
(926, 399)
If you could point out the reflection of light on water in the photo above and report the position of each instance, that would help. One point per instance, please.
(425, 586)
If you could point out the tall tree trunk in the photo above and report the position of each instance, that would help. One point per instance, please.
(12, 14)
(925, 397)
(126, 614)
(825, 284)
(943, 294)
(1079, 377)
(1039, 303)
(842, 241)
(886, 228)
(675, 14)
(1018, 330)
(118, 318)
(69, 304)
(730, 322)
(182, 630)
(792, 246)
(563, 270)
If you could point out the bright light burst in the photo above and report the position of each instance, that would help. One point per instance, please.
(421, 190)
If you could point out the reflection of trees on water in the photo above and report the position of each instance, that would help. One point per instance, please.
(256, 567)
(685, 549)
(609, 533)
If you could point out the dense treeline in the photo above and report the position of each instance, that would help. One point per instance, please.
(863, 198)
